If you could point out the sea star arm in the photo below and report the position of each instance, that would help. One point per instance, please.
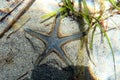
(40, 36)
(62, 55)
(42, 56)
(56, 25)
(70, 38)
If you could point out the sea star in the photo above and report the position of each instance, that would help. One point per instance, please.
(53, 42)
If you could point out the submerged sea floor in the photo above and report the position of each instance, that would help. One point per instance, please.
(20, 49)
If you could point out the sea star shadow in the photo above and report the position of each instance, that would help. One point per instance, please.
(53, 42)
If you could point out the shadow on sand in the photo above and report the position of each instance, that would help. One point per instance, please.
(48, 72)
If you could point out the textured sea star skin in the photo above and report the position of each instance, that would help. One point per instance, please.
(53, 42)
